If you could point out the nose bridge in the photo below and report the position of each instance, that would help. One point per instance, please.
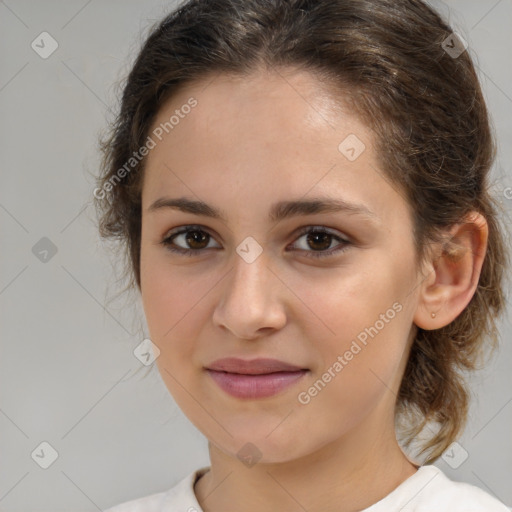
(249, 279)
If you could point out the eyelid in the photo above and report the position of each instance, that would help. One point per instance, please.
(323, 229)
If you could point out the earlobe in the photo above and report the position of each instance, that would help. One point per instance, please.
(452, 273)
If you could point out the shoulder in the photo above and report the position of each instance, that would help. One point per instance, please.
(180, 497)
(443, 494)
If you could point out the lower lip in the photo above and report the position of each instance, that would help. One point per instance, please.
(255, 386)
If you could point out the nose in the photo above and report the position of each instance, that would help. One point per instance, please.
(251, 299)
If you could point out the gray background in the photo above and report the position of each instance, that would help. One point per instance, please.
(68, 374)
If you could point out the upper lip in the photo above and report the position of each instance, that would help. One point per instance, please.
(253, 366)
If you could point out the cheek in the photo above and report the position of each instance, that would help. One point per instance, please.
(169, 296)
(369, 324)
(175, 302)
(168, 310)
(365, 376)
(345, 304)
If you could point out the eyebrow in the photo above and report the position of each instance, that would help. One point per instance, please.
(279, 211)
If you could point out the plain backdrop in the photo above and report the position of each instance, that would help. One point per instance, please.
(68, 374)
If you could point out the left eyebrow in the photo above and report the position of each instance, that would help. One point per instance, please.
(279, 211)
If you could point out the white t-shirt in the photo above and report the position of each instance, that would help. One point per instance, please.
(428, 490)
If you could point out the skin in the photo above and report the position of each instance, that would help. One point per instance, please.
(248, 143)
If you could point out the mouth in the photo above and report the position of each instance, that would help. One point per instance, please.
(258, 378)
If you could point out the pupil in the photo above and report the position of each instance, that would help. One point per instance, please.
(197, 236)
(325, 236)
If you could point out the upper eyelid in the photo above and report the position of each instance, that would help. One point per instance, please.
(186, 227)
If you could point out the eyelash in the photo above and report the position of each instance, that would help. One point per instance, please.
(167, 242)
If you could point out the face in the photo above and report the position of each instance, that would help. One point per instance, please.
(328, 291)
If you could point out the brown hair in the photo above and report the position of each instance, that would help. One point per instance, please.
(433, 139)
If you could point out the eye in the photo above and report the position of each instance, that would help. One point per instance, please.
(317, 237)
(194, 236)
(321, 239)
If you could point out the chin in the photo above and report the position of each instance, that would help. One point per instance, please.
(262, 445)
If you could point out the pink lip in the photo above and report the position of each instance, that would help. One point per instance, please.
(258, 378)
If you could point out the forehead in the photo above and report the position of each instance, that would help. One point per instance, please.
(272, 107)
(284, 85)
(269, 133)
(276, 108)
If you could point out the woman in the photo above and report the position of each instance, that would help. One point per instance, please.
(301, 187)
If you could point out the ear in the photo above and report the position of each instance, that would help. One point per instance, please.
(451, 275)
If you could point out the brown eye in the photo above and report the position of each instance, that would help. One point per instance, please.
(196, 239)
(318, 240)
(189, 240)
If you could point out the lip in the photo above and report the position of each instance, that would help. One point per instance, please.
(257, 378)
(252, 367)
